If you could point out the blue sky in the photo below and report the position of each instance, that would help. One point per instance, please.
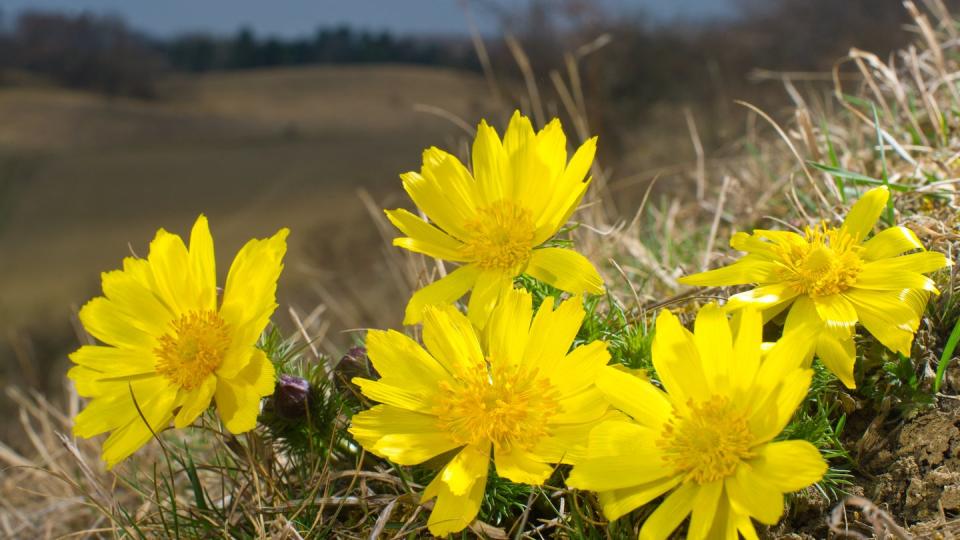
(300, 17)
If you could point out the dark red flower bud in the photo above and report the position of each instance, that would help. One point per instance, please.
(291, 396)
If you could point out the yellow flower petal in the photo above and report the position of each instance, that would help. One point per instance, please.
(745, 361)
(451, 340)
(195, 402)
(792, 351)
(704, 511)
(452, 513)
(670, 513)
(619, 502)
(566, 270)
(136, 302)
(885, 280)
(620, 455)
(463, 471)
(741, 272)
(835, 311)
(112, 410)
(423, 237)
(490, 165)
(578, 370)
(789, 465)
(885, 315)
(838, 353)
(677, 361)
(567, 444)
(157, 411)
(490, 285)
(105, 321)
(545, 160)
(169, 263)
(402, 436)
(802, 313)
(509, 327)
(552, 332)
(203, 264)
(863, 215)
(445, 191)
(519, 134)
(771, 299)
(743, 524)
(569, 191)
(533, 167)
(551, 145)
(646, 403)
(445, 290)
(586, 406)
(91, 383)
(773, 407)
(238, 405)
(258, 373)
(139, 270)
(448, 177)
(398, 396)
(714, 343)
(249, 298)
(520, 466)
(890, 243)
(111, 362)
(923, 262)
(401, 361)
(752, 243)
(752, 494)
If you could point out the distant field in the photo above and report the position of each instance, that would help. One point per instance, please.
(84, 179)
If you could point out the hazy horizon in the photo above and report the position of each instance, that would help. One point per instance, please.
(302, 17)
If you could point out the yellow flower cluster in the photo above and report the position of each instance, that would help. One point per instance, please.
(508, 382)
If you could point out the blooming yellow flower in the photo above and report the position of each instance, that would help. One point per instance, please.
(517, 391)
(833, 277)
(169, 348)
(493, 220)
(708, 438)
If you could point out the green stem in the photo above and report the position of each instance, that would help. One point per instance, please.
(947, 355)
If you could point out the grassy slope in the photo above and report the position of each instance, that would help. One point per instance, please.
(83, 177)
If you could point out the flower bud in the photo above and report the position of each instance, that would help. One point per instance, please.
(291, 397)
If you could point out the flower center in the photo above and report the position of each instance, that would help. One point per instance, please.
(193, 348)
(502, 237)
(828, 263)
(508, 408)
(709, 442)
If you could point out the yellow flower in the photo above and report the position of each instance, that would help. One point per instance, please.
(708, 438)
(834, 278)
(518, 391)
(520, 193)
(169, 348)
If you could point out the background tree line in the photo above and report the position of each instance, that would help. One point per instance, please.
(645, 63)
(102, 53)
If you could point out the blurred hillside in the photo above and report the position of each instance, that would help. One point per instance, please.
(86, 180)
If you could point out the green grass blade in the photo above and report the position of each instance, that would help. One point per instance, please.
(858, 178)
(883, 164)
(947, 355)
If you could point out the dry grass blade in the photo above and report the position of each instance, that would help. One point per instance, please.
(793, 149)
(880, 521)
(533, 91)
(701, 174)
(715, 224)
